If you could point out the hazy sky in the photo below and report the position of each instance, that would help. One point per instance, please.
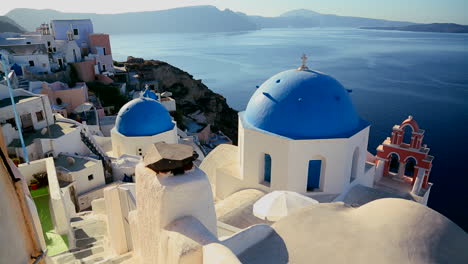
(423, 11)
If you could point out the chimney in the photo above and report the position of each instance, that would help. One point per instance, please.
(169, 187)
(166, 159)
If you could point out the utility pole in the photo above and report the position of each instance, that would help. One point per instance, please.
(12, 98)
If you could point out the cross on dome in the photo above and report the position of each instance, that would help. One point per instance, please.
(304, 64)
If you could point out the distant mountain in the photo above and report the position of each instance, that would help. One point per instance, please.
(197, 19)
(187, 19)
(300, 13)
(8, 25)
(303, 18)
(435, 27)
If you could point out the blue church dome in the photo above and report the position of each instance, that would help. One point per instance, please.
(143, 117)
(303, 104)
(150, 94)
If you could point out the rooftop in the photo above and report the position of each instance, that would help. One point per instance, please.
(360, 195)
(382, 231)
(57, 86)
(56, 130)
(79, 163)
(25, 49)
(390, 185)
(18, 99)
(71, 20)
(107, 120)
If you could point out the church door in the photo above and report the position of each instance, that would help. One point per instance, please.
(313, 178)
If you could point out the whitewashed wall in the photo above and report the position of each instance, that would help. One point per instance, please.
(58, 209)
(105, 60)
(290, 161)
(68, 50)
(131, 145)
(63, 144)
(162, 200)
(30, 107)
(82, 183)
(41, 62)
(9, 133)
(169, 104)
(120, 201)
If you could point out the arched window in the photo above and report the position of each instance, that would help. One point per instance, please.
(394, 163)
(267, 168)
(409, 167)
(313, 177)
(408, 132)
(354, 168)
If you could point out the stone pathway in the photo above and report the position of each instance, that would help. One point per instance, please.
(90, 233)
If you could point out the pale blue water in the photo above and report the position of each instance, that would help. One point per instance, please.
(392, 74)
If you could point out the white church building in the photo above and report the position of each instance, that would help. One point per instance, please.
(300, 132)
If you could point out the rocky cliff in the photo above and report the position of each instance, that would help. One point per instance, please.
(191, 95)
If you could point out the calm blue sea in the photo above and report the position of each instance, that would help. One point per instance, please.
(392, 75)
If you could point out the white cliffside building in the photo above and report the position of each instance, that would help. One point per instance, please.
(31, 57)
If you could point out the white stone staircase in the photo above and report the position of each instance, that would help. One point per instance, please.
(89, 141)
(91, 243)
(23, 83)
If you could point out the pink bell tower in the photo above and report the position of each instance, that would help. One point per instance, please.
(406, 161)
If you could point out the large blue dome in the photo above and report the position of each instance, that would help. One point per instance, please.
(303, 104)
(143, 117)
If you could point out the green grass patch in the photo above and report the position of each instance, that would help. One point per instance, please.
(55, 243)
(39, 192)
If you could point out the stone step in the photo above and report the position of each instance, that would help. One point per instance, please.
(126, 258)
(83, 221)
(90, 230)
(80, 243)
(71, 257)
(94, 259)
(77, 219)
(400, 179)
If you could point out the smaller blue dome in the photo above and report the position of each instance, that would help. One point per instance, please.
(150, 94)
(143, 117)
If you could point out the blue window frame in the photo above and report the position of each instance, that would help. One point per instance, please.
(267, 168)
(313, 177)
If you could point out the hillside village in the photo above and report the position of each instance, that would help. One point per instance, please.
(137, 162)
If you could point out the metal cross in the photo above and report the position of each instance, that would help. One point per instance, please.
(304, 63)
(304, 60)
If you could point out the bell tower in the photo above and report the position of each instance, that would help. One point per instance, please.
(408, 162)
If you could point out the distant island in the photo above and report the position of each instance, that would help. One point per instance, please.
(435, 27)
(196, 19)
(304, 18)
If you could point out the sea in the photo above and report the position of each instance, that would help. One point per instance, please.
(392, 75)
